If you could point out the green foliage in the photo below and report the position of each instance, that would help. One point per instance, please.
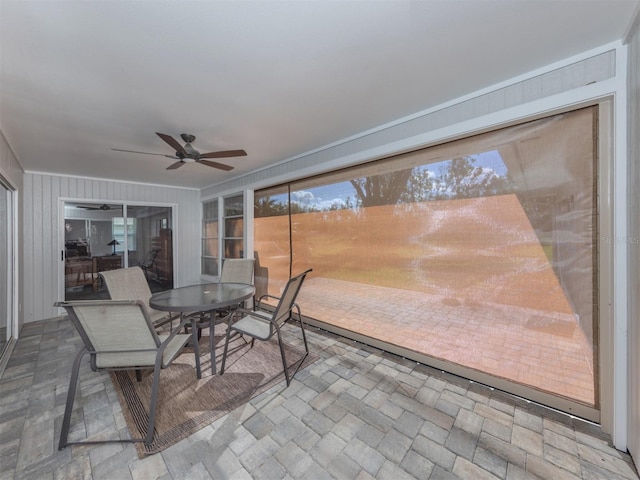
(383, 189)
(459, 178)
(269, 207)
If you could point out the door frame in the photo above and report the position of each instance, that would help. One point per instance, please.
(13, 309)
(125, 204)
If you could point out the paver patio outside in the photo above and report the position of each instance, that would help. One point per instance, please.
(548, 352)
(468, 281)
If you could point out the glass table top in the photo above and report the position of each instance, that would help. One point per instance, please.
(203, 297)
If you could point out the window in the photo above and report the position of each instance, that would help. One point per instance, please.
(118, 229)
(210, 238)
(233, 227)
(7, 268)
(222, 239)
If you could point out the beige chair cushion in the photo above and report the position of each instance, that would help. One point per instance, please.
(237, 270)
(131, 284)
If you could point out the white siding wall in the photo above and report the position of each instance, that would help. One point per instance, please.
(42, 225)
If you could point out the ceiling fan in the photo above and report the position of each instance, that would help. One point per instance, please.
(187, 153)
(101, 207)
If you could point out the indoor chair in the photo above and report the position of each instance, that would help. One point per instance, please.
(148, 263)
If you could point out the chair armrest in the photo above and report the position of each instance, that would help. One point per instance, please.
(266, 295)
(297, 307)
(250, 313)
(160, 363)
(175, 331)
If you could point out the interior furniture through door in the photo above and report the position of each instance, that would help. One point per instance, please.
(100, 237)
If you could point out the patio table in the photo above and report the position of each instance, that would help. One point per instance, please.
(207, 297)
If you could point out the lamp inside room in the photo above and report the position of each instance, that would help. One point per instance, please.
(113, 243)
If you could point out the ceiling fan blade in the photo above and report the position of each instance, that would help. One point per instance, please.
(173, 142)
(224, 154)
(145, 153)
(173, 166)
(104, 206)
(221, 166)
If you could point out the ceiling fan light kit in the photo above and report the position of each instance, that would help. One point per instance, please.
(186, 153)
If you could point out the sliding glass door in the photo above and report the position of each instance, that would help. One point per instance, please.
(6, 268)
(108, 236)
(150, 243)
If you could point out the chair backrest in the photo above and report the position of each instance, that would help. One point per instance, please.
(149, 258)
(237, 270)
(128, 284)
(118, 333)
(288, 298)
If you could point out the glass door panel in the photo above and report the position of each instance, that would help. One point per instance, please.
(6, 268)
(91, 245)
(101, 237)
(149, 232)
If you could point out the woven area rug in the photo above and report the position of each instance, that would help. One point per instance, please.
(186, 404)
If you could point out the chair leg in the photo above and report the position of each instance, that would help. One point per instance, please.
(284, 360)
(226, 347)
(196, 346)
(73, 383)
(304, 336)
(212, 346)
(301, 361)
(154, 403)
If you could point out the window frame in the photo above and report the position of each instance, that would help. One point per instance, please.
(247, 228)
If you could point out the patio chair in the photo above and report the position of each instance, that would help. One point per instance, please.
(237, 270)
(262, 325)
(131, 284)
(234, 270)
(119, 335)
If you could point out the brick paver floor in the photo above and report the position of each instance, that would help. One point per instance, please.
(543, 349)
(356, 413)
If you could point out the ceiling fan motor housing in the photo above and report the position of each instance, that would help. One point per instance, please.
(191, 152)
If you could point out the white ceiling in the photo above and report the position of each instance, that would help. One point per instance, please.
(276, 78)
